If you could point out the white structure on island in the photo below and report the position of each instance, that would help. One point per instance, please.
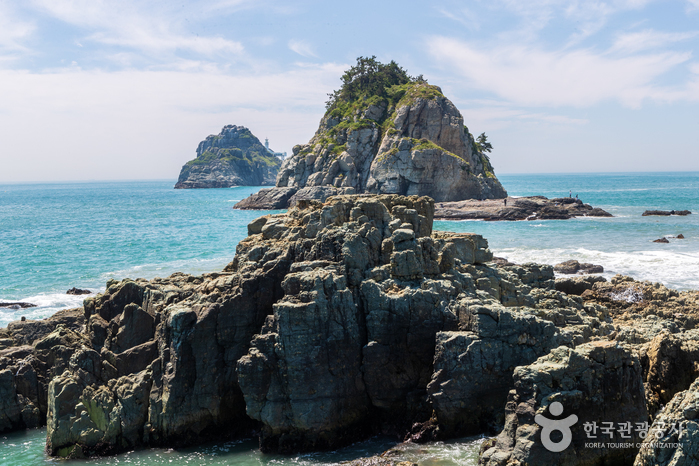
(281, 155)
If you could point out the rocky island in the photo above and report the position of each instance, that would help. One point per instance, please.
(234, 157)
(384, 133)
(341, 319)
(518, 208)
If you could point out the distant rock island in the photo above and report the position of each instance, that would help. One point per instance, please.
(234, 157)
(385, 132)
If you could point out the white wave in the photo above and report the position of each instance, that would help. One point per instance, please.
(164, 269)
(46, 305)
(679, 270)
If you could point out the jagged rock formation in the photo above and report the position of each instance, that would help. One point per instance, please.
(599, 382)
(234, 157)
(404, 137)
(31, 353)
(341, 319)
(673, 437)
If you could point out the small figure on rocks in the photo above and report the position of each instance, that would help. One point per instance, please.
(505, 202)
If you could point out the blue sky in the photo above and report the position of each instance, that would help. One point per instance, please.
(126, 90)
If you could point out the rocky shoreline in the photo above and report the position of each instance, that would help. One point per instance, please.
(517, 208)
(339, 320)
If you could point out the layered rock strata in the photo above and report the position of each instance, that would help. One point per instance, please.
(341, 319)
(519, 208)
(410, 141)
(234, 157)
(31, 354)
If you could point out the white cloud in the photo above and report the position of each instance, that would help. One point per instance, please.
(153, 30)
(146, 124)
(463, 16)
(528, 75)
(13, 30)
(648, 39)
(302, 47)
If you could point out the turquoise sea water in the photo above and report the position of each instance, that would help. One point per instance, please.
(60, 235)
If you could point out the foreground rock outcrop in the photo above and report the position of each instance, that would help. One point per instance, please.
(31, 354)
(342, 319)
(385, 133)
(234, 157)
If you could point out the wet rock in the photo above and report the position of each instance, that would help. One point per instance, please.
(78, 291)
(16, 305)
(661, 240)
(665, 213)
(267, 199)
(523, 208)
(573, 266)
(578, 285)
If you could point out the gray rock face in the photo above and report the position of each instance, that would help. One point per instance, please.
(31, 353)
(234, 157)
(415, 145)
(673, 438)
(597, 382)
(521, 208)
(341, 319)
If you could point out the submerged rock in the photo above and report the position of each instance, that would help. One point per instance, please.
(16, 305)
(78, 291)
(665, 213)
(234, 157)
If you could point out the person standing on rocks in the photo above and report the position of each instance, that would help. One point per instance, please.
(505, 202)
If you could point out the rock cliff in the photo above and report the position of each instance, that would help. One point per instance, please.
(234, 157)
(342, 319)
(386, 133)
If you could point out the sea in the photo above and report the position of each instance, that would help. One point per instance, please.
(56, 236)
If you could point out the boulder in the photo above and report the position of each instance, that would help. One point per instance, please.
(78, 291)
(661, 240)
(16, 305)
(578, 285)
(267, 199)
(573, 266)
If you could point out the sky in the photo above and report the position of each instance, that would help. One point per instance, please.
(109, 90)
